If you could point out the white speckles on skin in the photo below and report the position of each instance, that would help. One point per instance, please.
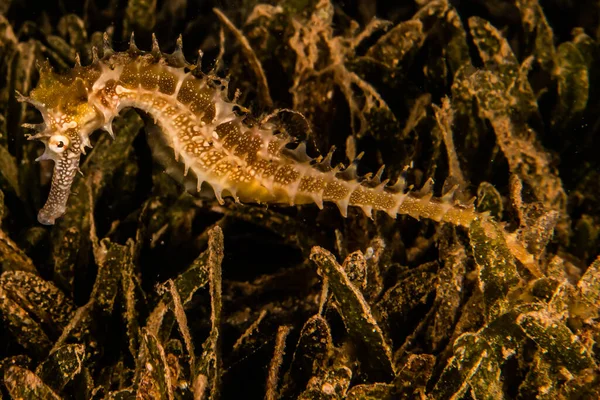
(68, 125)
(108, 73)
(245, 162)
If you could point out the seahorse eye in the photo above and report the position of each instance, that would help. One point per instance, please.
(58, 143)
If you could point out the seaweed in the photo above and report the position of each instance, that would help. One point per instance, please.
(145, 290)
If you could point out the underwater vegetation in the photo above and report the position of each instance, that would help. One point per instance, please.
(145, 290)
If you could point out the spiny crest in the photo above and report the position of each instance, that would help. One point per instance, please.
(71, 87)
(64, 92)
(155, 55)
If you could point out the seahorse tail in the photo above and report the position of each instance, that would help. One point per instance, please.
(440, 209)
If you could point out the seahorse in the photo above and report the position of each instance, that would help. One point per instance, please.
(212, 140)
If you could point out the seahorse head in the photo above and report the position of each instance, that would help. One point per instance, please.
(69, 119)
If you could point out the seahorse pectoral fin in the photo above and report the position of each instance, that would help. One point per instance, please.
(65, 169)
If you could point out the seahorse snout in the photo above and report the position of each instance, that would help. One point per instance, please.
(48, 217)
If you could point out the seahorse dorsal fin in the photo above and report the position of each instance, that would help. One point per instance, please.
(177, 58)
(350, 173)
(448, 197)
(426, 189)
(382, 185)
(298, 154)
(133, 49)
(197, 71)
(400, 184)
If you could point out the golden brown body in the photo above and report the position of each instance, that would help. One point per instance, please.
(249, 163)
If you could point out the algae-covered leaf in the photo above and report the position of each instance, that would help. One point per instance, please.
(493, 47)
(26, 330)
(12, 258)
(124, 394)
(129, 289)
(182, 324)
(62, 48)
(21, 75)
(72, 28)
(41, 298)
(473, 369)
(490, 200)
(196, 276)
(444, 117)
(24, 384)
(33, 309)
(496, 266)
(556, 340)
(586, 385)
(65, 257)
(589, 287)
(62, 365)
(9, 172)
(271, 387)
(413, 375)
(193, 278)
(506, 99)
(457, 50)
(85, 324)
(355, 267)
(403, 40)
(317, 75)
(312, 350)
(540, 381)
(374, 391)
(140, 15)
(585, 44)
(479, 366)
(355, 312)
(207, 377)
(572, 75)
(111, 259)
(547, 380)
(448, 290)
(332, 379)
(155, 381)
(536, 26)
(411, 290)
(498, 56)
